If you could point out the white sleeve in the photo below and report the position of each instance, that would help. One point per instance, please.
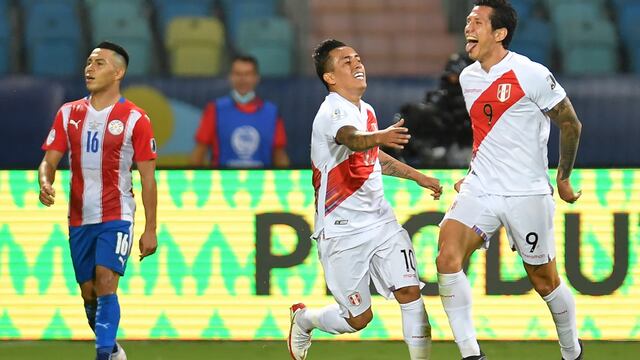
(542, 87)
(339, 117)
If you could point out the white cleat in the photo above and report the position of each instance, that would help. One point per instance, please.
(120, 354)
(299, 340)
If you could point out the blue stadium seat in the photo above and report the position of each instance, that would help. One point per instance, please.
(239, 11)
(90, 3)
(630, 35)
(628, 16)
(551, 4)
(566, 11)
(4, 6)
(271, 41)
(27, 4)
(170, 9)
(104, 13)
(125, 24)
(619, 4)
(634, 55)
(524, 8)
(534, 39)
(589, 47)
(5, 43)
(53, 39)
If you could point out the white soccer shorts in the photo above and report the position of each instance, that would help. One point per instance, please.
(528, 221)
(383, 254)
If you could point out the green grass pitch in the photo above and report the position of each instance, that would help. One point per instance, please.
(326, 349)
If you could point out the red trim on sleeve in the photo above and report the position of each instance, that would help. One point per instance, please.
(57, 136)
(207, 133)
(144, 145)
(280, 135)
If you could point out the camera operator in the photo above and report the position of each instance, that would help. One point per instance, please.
(440, 126)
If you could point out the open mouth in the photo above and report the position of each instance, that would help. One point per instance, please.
(359, 75)
(471, 44)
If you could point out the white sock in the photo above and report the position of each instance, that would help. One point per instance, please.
(416, 329)
(455, 294)
(563, 311)
(327, 319)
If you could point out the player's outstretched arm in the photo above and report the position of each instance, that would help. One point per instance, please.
(148, 240)
(564, 116)
(395, 136)
(47, 175)
(392, 167)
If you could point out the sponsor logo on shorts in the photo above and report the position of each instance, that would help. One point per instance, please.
(355, 299)
(341, 222)
(535, 256)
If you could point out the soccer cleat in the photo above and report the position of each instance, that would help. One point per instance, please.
(581, 350)
(119, 354)
(482, 356)
(299, 340)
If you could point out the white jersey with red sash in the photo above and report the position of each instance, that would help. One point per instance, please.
(348, 185)
(102, 148)
(508, 108)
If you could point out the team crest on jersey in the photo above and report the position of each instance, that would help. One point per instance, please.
(355, 299)
(116, 127)
(51, 137)
(504, 92)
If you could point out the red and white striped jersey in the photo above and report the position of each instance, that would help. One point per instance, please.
(348, 185)
(508, 108)
(102, 148)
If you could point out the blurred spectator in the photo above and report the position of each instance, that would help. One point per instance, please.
(440, 125)
(241, 130)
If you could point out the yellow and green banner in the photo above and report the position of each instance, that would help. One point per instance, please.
(234, 253)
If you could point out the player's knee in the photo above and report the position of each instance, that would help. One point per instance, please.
(361, 321)
(89, 297)
(88, 292)
(447, 262)
(544, 286)
(407, 294)
(106, 281)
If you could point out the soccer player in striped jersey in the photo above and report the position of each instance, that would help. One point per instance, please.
(104, 134)
(359, 238)
(511, 101)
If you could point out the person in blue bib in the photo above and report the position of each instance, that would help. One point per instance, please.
(241, 130)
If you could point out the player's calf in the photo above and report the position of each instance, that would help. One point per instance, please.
(416, 329)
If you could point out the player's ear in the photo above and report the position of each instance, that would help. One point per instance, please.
(500, 34)
(329, 78)
(120, 73)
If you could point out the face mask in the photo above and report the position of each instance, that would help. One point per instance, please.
(243, 99)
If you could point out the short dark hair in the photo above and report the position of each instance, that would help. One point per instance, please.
(247, 58)
(115, 48)
(321, 56)
(503, 16)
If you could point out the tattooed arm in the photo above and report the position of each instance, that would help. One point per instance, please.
(564, 116)
(395, 136)
(393, 167)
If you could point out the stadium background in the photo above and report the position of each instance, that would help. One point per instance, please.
(234, 249)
